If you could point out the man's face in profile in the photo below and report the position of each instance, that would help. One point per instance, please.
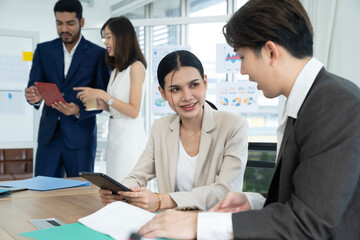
(68, 26)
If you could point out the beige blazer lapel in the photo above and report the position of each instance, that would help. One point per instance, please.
(208, 124)
(173, 149)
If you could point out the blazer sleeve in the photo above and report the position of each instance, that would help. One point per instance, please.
(229, 177)
(36, 72)
(325, 181)
(144, 169)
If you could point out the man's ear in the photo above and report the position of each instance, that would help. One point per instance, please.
(272, 51)
(163, 94)
(82, 22)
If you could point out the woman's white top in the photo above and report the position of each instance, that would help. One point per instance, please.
(185, 173)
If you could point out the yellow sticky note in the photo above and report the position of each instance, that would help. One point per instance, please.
(27, 56)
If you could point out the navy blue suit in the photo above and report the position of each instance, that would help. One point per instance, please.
(87, 68)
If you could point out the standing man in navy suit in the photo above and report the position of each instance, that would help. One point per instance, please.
(67, 133)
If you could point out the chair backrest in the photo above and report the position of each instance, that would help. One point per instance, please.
(259, 167)
(16, 164)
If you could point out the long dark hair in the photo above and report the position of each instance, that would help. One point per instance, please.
(127, 49)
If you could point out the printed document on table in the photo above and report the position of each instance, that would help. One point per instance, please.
(118, 220)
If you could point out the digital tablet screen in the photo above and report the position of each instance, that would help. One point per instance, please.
(103, 181)
(49, 92)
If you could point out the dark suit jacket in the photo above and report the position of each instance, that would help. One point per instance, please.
(87, 68)
(315, 190)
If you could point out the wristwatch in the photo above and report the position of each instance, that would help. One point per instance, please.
(111, 100)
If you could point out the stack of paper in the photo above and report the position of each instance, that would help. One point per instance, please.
(118, 220)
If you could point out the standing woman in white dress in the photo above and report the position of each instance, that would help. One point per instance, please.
(126, 138)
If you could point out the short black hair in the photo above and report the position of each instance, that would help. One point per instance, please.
(175, 60)
(69, 6)
(284, 22)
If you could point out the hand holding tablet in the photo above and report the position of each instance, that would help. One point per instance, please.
(49, 92)
(104, 181)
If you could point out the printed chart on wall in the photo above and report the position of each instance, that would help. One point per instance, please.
(227, 61)
(239, 96)
(158, 104)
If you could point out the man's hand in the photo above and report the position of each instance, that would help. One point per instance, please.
(232, 202)
(32, 95)
(171, 224)
(66, 108)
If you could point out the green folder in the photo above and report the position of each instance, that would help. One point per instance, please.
(74, 231)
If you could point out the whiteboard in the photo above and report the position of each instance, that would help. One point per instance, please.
(16, 115)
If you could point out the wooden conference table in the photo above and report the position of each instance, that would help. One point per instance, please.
(67, 205)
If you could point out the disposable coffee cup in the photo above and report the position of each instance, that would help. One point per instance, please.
(91, 104)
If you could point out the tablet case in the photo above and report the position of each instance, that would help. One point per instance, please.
(104, 181)
(49, 92)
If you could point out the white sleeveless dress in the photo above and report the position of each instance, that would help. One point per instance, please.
(126, 138)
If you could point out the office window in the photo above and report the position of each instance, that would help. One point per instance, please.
(202, 8)
(166, 35)
(203, 39)
(240, 3)
(138, 13)
(166, 9)
(264, 122)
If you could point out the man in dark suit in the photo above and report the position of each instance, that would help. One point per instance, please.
(67, 133)
(315, 189)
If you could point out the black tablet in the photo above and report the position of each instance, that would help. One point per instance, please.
(104, 181)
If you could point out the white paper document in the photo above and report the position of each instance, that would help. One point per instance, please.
(118, 220)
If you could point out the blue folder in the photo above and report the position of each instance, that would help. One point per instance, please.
(42, 183)
(5, 192)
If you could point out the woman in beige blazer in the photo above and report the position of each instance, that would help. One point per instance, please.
(197, 155)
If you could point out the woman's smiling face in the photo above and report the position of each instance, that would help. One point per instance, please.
(185, 90)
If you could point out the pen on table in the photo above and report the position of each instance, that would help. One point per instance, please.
(135, 236)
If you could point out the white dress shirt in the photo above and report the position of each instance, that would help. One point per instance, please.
(219, 226)
(68, 56)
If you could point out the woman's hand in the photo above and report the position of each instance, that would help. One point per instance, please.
(107, 197)
(141, 197)
(101, 105)
(232, 202)
(87, 93)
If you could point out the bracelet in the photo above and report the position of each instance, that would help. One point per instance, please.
(159, 202)
(111, 100)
